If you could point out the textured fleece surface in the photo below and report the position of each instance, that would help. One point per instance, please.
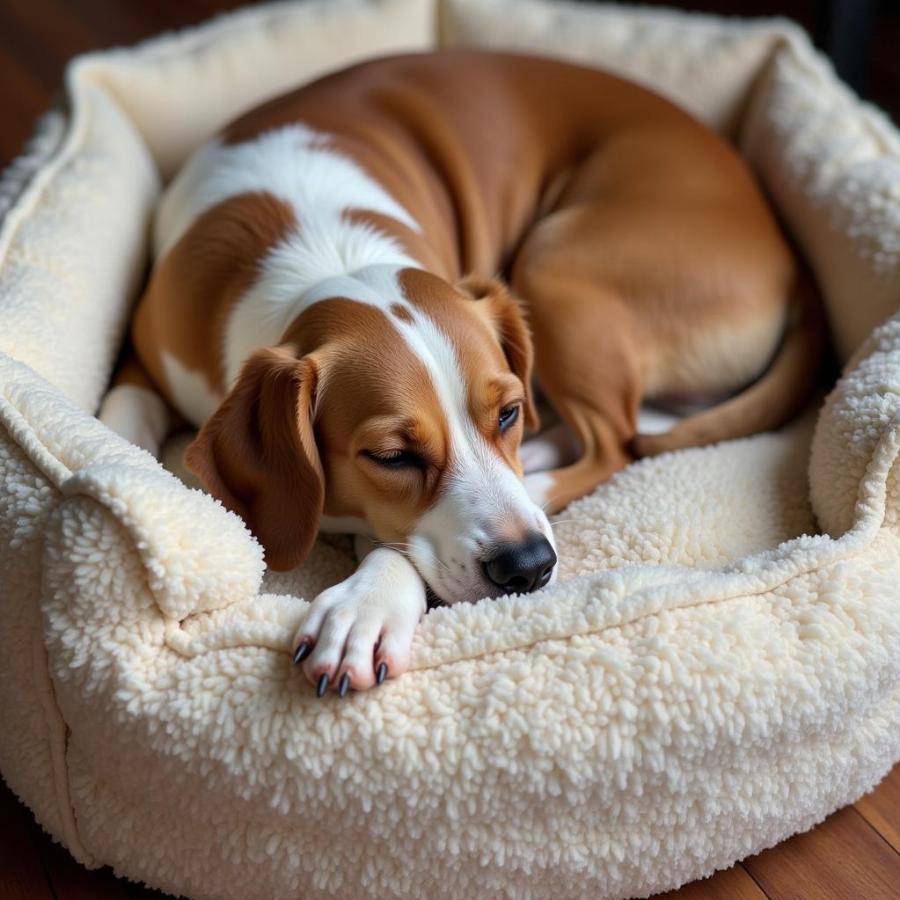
(718, 667)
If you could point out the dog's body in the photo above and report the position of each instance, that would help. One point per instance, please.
(323, 305)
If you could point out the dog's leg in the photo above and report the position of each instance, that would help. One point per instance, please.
(360, 631)
(134, 410)
(557, 488)
(601, 414)
(590, 375)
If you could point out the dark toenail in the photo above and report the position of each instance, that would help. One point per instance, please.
(323, 685)
(381, 673)
(302, 652)
(344, 686)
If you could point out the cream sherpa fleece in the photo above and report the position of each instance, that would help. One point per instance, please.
(718, 668)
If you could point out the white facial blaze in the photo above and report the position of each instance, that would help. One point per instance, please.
(481, 493)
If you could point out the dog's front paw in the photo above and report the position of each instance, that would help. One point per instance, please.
(360, 631)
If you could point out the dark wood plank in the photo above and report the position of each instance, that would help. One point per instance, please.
(881, 809)
(733, 884)
(22, 100)
(39, 37)
(842, 859)
(846, 31)
(32, 867)
(884, 72)
(47, 35)
(115, 22)
(22, 876)
(72, 881)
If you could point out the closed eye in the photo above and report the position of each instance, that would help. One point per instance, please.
(396, 459)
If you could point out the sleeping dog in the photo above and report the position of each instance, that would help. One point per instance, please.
(325, 306)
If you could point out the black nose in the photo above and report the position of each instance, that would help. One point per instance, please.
(523, 567)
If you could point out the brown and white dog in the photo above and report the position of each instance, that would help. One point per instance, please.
(324, 307)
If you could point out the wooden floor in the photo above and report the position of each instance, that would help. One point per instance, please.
(854, 854)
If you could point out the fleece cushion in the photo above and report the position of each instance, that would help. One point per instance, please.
(718, 667)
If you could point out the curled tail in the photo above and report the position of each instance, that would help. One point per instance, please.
(770, 401)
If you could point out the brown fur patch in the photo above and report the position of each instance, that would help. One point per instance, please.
(192, 290)
(375, 395)
(258, 455)
(401, 312)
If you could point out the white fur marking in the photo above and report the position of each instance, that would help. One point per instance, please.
(137, 414)
(314, 263)
(551, 449)
(655, 421)
(294, 163)
(194, 398)
(539, 485)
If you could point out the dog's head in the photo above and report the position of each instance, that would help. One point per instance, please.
(394, 407)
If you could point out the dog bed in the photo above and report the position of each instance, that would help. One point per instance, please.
(718, 667)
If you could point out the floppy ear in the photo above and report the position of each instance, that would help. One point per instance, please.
(258, 454)
(512, 332)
